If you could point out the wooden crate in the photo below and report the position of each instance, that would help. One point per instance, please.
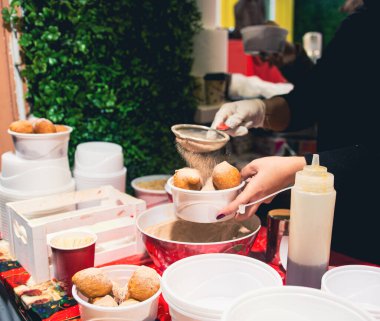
(105, 211)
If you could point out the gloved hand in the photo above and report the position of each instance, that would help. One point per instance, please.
(237, 117)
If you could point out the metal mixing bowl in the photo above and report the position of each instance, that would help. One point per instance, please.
(165, 252)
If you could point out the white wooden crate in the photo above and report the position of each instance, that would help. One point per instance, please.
(105, 211)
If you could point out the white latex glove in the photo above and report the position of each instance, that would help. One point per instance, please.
(237, 117)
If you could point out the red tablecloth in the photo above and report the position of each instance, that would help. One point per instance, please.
(14, 277)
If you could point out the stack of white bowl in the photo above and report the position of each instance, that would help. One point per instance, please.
(99, 163)
(359, 284)
(40, 167)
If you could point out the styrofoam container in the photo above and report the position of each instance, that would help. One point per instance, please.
(12, 165)
(151, 197)
(144, 311)
(263, 38)
(357, 283)
(41, 146)
(202, 206)
(104, 157)
(111, 164)
(38, 179)
(292, 303)
(204, 285)
(86, 180)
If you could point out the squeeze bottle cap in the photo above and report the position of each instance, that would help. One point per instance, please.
(314, 178)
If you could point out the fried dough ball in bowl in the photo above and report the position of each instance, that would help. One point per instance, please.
(143, 283)
(92, 282)
(44, 126)
(188, 178)
(22, 126)
(225, 176)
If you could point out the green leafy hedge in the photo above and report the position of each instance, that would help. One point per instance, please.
(116, 71)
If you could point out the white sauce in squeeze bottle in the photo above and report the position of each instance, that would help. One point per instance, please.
(311, 220)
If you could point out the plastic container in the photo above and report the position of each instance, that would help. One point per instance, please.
(311, 220)
(99, 157)
(292, 303)
(41, 146)
(87, 180)
(165, 252)
(263, 38)
(146, 310)
(204, 285)
(12, 165)
(357, 283)
(202, 206)
(39, 179)
(150, 196)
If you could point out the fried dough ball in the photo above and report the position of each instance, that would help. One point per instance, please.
(21, 126)
(60, 128)
(92, 283)
(128, 302)
(188, 178)
(120, 293)
(44, 126)
(225, 176)
(106, 301)
(143, 283)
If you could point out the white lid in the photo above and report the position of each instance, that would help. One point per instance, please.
(314, 178)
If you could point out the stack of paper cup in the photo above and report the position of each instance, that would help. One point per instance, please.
(98, 164)
(26, 178)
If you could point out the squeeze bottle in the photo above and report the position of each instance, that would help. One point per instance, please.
(311, 220)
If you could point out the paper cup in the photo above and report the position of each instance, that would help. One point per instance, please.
(69, 257)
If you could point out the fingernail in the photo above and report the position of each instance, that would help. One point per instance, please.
(220, 216)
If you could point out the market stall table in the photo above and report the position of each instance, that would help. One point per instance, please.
(48, 302)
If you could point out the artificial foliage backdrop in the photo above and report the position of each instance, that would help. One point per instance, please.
(116, 71)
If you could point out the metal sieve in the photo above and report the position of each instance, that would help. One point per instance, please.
(198, 138)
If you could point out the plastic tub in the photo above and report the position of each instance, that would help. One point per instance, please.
(101, 157)
(150, 196)
(204, 285)
(263, 38)
(165, 252)
(292, 303)
(146, 310)
(41, 146)
(39, 179)
(357, 283)
(202, 206)
(86, 180)
(12, 165)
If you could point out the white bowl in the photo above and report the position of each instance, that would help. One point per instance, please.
(263, 38)
(12, 165)
(41, 146)
(357, 283)
(202, 206)
(39, 179)
(292, 303)
(144, 311)
(86, 180)
(204, 285)
(102, 157)
(150, 196)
